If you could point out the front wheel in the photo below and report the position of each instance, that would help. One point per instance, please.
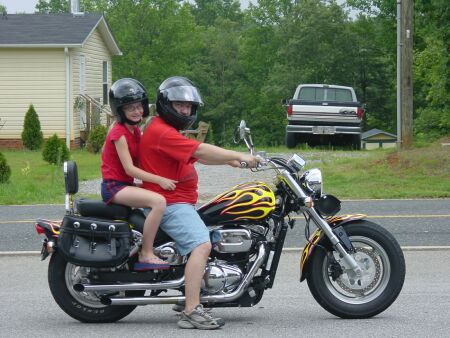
(346, 295)
(83, 306)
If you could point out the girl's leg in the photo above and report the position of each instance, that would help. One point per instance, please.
(141, 198)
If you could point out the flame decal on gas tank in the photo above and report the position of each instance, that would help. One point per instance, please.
(253, 200)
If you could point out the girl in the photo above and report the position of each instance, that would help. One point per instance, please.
(129, 104)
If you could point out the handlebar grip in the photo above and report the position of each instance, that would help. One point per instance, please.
(244, 164)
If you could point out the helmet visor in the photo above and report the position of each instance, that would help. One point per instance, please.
(183, 94)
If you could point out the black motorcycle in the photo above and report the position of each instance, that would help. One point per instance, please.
(354, 268)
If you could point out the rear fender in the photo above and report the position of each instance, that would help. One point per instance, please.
(51, 228)
(318, 238)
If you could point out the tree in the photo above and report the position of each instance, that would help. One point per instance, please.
(32, 137)
(53, 6)
(55, 151)
(158, 38)
(5, 169)
(206, 12)
(217, 72)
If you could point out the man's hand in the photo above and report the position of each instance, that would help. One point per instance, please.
(167, 184)
(252, 161)
(235, 163)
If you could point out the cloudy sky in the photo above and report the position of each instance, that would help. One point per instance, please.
(19, 6)
(27, 6)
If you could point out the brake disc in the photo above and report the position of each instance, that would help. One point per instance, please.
(371, 273)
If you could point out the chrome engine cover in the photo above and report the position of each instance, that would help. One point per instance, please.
(231, 240)
(220, 277)
(170, 254)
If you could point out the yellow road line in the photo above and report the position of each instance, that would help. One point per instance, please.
(295, 217)
(22, 221)
(397, 216)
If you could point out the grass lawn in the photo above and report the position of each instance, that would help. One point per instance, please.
(34, 181)
(415, 173)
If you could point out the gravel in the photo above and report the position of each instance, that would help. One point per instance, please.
(215, 179)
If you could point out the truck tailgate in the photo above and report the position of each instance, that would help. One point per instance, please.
(325, 113)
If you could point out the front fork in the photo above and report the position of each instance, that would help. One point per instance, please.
(340, 242)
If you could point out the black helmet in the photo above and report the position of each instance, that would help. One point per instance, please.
(181, 89)
(125, 91)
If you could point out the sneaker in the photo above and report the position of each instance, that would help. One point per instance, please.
(199, 319)
(180, 307)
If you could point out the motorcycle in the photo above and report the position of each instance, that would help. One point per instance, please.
(354, 268)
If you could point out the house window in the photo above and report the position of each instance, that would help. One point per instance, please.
(105, 82)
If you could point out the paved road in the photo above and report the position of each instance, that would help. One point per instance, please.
(287, 310)
(421, 222)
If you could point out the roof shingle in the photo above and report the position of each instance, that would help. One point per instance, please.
(46, 29)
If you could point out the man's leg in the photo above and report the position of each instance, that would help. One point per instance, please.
(193, 273)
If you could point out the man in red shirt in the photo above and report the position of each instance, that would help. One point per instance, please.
(164, 151)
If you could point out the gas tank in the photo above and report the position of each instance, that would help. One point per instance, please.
(244, 203)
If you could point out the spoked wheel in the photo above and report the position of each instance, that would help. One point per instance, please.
(82, 306)
(347, 295)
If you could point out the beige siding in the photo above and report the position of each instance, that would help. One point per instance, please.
(95, 52)
(32, 76)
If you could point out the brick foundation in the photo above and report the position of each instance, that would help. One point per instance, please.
(16, 144)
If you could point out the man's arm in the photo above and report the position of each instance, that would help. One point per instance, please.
(209, 154)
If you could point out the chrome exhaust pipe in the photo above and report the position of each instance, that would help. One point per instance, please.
(173, 284)
(204, 299)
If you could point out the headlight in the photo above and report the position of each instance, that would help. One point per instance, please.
(312, 181)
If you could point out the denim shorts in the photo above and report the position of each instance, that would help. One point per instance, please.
(183, 224)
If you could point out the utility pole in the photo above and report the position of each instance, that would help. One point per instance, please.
(406, 85)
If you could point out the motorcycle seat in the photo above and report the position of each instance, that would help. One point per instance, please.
(135, 217)
(94, 208)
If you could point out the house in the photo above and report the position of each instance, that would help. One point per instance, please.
(376, 138)
(60, 63)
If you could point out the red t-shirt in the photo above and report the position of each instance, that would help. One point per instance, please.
(112, 168)
(165, 152)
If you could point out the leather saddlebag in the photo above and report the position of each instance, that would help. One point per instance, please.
(94, 242)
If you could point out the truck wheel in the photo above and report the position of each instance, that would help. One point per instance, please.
(356, 142)
(291, 140)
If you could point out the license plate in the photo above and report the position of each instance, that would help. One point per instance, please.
(324, 130)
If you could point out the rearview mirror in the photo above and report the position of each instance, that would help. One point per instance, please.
(242, 129)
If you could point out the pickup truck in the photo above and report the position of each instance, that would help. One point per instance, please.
(324, 112)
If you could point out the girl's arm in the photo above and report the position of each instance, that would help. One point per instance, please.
(133, 171)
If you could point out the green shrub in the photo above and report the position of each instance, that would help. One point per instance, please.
(32, 137)
(55, 151)
(96, 139)
(431, 124)
(5, 170)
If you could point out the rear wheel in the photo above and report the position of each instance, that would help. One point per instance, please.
(356, 143)
(291, 140)
(82, 306)
(346, 295)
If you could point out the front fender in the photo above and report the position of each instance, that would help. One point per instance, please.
(318, 238)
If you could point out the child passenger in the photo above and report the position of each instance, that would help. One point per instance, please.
(129, 104)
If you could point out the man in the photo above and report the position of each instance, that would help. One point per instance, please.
(164, 151)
